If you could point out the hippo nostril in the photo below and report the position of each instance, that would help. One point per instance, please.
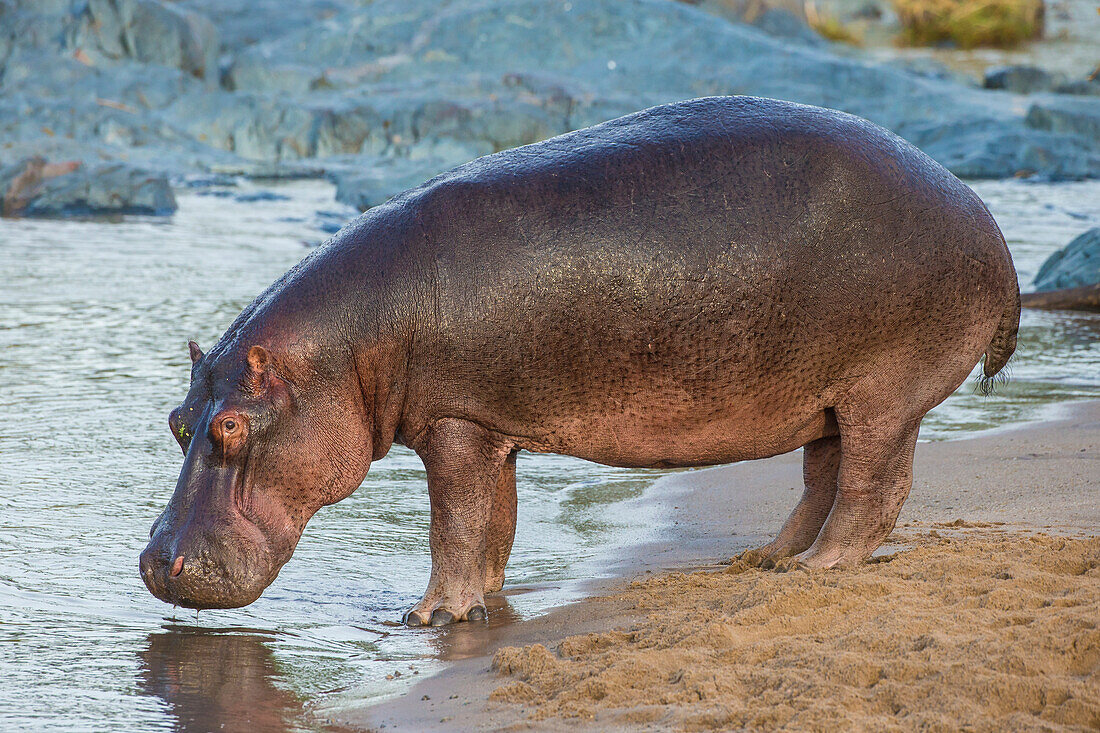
(177, 567)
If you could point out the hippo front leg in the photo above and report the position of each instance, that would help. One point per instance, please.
(464, 464)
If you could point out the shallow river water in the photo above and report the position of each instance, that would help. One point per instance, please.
(94, 320)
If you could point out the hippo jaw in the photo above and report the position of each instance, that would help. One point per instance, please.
(210, 572)
(210, 554)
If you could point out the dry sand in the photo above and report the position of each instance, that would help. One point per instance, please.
(983, 613)
(979, 629)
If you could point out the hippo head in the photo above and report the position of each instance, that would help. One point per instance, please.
(264, 448)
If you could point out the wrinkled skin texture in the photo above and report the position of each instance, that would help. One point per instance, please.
(700, 283)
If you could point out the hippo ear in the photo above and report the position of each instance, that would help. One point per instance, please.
(261, 370)
(196, 352)
(258, 359)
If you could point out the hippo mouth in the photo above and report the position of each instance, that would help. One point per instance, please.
(223, 565)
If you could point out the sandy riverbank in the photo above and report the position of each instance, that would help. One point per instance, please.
(982, 612)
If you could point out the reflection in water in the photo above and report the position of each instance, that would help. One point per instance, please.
(217, 680)
(462, 641)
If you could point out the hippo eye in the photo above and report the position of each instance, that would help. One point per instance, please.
(229, 425)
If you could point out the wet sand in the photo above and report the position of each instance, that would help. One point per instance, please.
(981, 612)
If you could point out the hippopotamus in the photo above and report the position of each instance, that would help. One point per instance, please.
(704, 282)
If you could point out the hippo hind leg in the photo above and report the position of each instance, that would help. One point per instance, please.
(502, 526)
(874, 478)
(820, 467)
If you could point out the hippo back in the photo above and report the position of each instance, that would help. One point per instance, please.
(716, 258)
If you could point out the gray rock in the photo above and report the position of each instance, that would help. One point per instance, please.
(1086, 87)
(34, 188)
(1075, 265)
(246, 73)
(147, 31)
(241, 23)
(931, 68)
(97, 130)
(870, 10)
(371, 185)
(380, 94)
(605, 57)
(1000, 149)
(1063, 114)
(1019, 79)
(42, 75)
(785, 24)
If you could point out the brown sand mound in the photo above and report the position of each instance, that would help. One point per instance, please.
(972, 629)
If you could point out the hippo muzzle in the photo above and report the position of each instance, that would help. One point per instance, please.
(208, 567)
(203, 551)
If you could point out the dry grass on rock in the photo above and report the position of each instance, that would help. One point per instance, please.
(970, 23)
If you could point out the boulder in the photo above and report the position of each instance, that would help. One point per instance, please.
(1084, 298)
(932, 68)
(782, 23)
(1075, 265)
(595, 59)
(35, 187)
(370, 185)
(1019, 79)
(1086, 87)
(1000, 149)
(147, 31)
(241, 23)
(1078, 116)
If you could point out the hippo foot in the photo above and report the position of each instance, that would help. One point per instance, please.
(824, 558)
(766, 557)
(440, 615)
(787, 564)
(753, 558)
(821, 558)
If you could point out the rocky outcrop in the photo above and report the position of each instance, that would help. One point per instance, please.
(1076, 264)
(1089, 87)
(375, 94)
(146, 31)
(35, 187)
(372, 186)
(1079, 117)
(783, 23)
(1070, 278)
(584, 61)
(1031, 79)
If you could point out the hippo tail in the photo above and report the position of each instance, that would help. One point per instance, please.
(1001, 348)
